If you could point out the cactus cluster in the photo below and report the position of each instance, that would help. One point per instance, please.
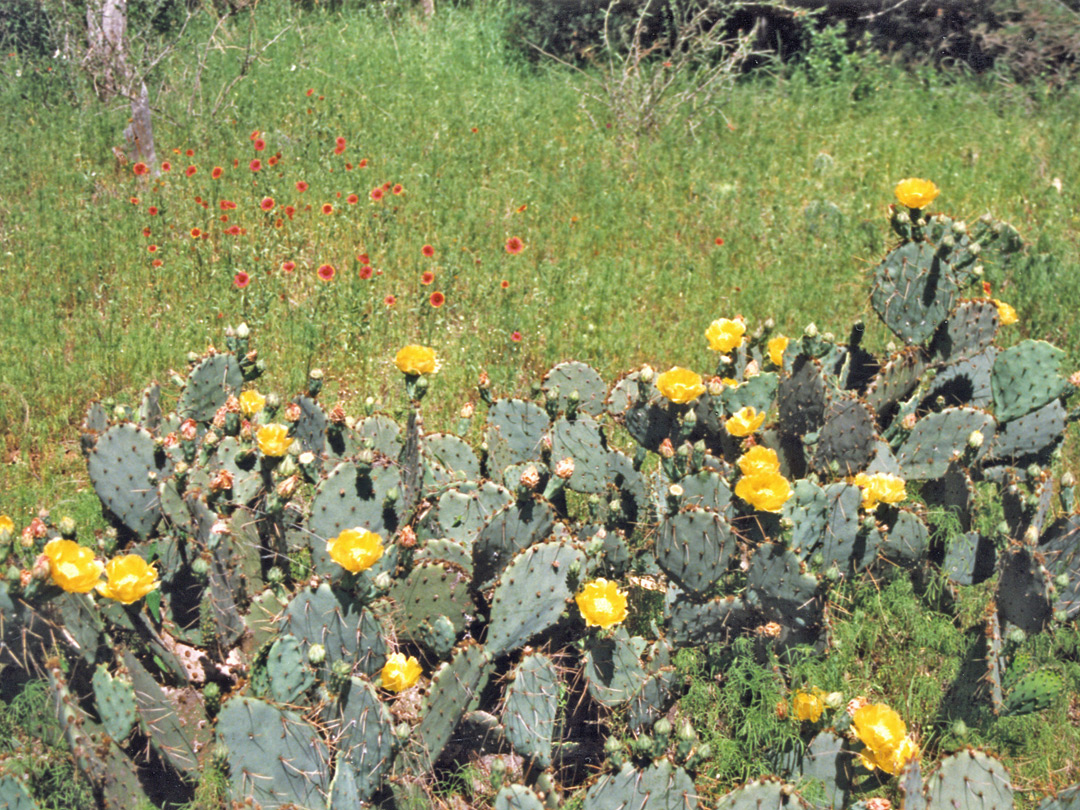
(262, 654)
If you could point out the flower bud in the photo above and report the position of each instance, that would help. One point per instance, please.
(908, 422)
(715, 387)
(1031, 535)
(667, 449)
(316, 654)
(293, 412)
(467, 410)
(287, 488)
(67, 527)
(189, 430)
(530, 478)
(242, 331)
(337, 415)
(811, 330)
(1068, 479)
(565, 468)
(407, 537)
(855, 704)
(383, 581)
(834, 700)
(222, 482)
(646, 374)
(975, 439)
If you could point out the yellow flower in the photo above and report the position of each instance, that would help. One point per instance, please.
(767, 492)
(72, 566)
(744, 421)
(880, 488)
(130, 578)
(808, 705)
(251, 402)
(914, 192)
(1006, 314)
(399, 672)
(884, 734)
(725, 334)
(776, 348)
(356, 549)
(7, 527)
(759, 460)
(680, 385)
(415, 360)
(273, 440)
(601, 603)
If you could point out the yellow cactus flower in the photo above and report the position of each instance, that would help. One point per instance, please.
(355, 550)
(399, 672)
(767, 492)
(884, 734)
(416, 360)
(251, 402)
(808, 705)
(776, 348)
(7, 528)
(1006, 314)
(680, 385)
(880, 488)
(72, 566)
(130, 578)
(759, 460)
(601, 603)
(273, 440)
(725, 334)
(744, 421)
(914, 192)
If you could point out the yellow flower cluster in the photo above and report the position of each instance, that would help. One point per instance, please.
(416, 360)
(880, 488)
(680, 385)
(602, 604)
(1006, 314)
(762, 486)
(74, 569)
(884, 734)
(399, 672)
(355, 550)
(725, 334)
(809, 706)
(914, 192)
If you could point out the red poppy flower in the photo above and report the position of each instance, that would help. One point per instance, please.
(196, 233)
(719, 240)
(389, 300)
(216, 172)
(437, 299)
(301, 186)
(152, 248)
(515, 336)
(363, 163)
(156, 263)
(166, 166)
(326, 272)
(190, 170)
(140, 168)
(190, 153)
(241, 280)
(255, 165)
(398, 188)
(289, 211)
(152, 210)
(428, 251)
(311, 91)
(145, 231)
(427, 277)
(514, 245)
(267, 204)
(259, 144)
(365, 272)
(288, 267)
(352, 199)
(504, 284)
(363, 259)
(376, 194)
(327, 208)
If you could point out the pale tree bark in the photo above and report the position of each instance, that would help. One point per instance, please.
(106, 61)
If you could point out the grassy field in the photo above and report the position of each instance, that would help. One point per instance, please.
(776, 208)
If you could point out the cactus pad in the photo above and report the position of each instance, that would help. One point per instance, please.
(914, 291)
(581, 439)
(1030, 438)
(1026, 377)
(690, 623)
(1023, 592)
(348, 498)
(331, 618)
(802, 397)
(613, 668)
(846, 441)
(895, 381)
(449, 458)
(208, 386)
(967, 332)
(571, 378)
(363, 734)
(287, 669)
(507, 532)
(115, 700)
(514, 434)
(777, 587)
(659, 787)
(1033, 693)
(430, 591)
(969, 780)
(123, 467)
(694, 547)
(530, 708)
(939, 438)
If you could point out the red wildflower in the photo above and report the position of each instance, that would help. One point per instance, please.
(279, 223)
(352, 199)
(134, 201)
(428, 251)
(363, 163)
(326, 272)
(259, 144)
(289, 211)
(152, 248)
(224, 217)
(267, 204)
(216, 172)
(166, 166)
(140, 168)
(437, 299)
(327, 208)
(152, 210)
(363, 259)
(348, 167)
(156, 263)
(515, 336)
(389, 300)
(376, 194)
(288, 267)
(190, 170)
(514, 245)
(255, 134)
(475, 130)
(227, 205)
(521, 208)
(198, 200)
(241, 280)
(398, 188)
(255, 165)
(339, 195)
(339, 146)
(145, 231)
(504, 284)
(190, 153)
(365, 272)
(427, 277)
(387, 185)
(719, 240)
(274, 160)
(311, 91)
(196, 233)
(235, 162)
(301, 186)
(234, 230)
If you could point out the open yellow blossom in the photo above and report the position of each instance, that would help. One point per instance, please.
(251, 402)
(776, 347)
(416, 360)
(744, 421)
(129, 579)
(1006, 314)
(7, 527)
(884, 734)
(808, 705)
(601, 603)
(680, 385)
(767, 492)
(725, 334)
(914, 192)
(759, 460)
(355, 550)
(880, 488)
(72, 566)
(399, 672)
(273, 440)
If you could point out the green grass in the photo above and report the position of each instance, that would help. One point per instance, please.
(621, 267)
